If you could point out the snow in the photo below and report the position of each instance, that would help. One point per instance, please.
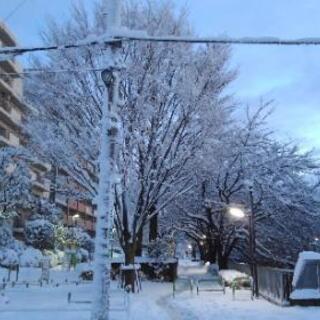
(154, 302)
(131, 267)
(230, 275)
(209, 305)
(10, 52)
(305, 294)
(303, 257)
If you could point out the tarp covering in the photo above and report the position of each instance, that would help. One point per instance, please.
(306, 279)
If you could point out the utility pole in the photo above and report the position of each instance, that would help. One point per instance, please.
(107, 167)
(252, 245)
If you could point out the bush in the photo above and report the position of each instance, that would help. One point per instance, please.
(56, 257)
(6, 237)
(31, 258)
(17, 246)
(8, 257)
(81, 239)
(40, 234)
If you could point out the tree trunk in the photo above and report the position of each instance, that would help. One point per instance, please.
(139, 243)
(222, 259)
(211, 255)
(202, 252)
(129, 275)
(153, 228)
(223, 262)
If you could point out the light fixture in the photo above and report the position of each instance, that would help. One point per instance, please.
(237, 212)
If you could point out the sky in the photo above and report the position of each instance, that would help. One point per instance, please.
(287, 75)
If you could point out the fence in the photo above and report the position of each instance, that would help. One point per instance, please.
(275, 284)
(165, 270)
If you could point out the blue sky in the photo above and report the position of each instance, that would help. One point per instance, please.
(289, 76)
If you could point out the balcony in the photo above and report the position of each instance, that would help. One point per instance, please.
(8, 138)
(79, 220)
(42, 166)
(7, 39)
(62, 200)
(9, 114)
(14, 92)
(81, 207)
(39, 182)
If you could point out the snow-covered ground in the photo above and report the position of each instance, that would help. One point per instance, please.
(215, 305)
(154, 302)
(51, 301)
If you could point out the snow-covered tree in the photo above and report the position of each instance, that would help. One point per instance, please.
(173, 98)
(283, 198)
(15, 183)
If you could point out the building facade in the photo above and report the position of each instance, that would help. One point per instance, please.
(13, 112)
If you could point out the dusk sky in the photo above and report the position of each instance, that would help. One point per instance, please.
(288, 75)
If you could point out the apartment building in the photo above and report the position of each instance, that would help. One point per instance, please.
(13, 112)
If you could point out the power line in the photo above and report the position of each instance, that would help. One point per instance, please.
(41, 71)
(14, 10)
(127, 38)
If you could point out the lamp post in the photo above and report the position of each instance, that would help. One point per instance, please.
(252, 244)
(239, 213)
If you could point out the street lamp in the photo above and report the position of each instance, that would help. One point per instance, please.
(75, 219)
(237, 212)
(240, 213)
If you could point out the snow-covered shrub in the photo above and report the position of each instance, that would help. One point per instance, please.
(81, 239)
(8, 257)
(10, 248)
(31, 257)
(54, 260)
(56, 257)
(17, 246)
(60, 256)
(6, 237)
(40, 234)
(60, 236)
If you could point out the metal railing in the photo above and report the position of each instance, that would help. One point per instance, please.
(275, 284)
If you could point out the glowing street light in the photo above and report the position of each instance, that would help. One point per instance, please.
(75, 217)
(237, 212)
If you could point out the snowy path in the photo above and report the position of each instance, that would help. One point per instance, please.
(215, 305)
